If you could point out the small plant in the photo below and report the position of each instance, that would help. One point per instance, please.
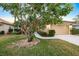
(17, 31)
(43, 33)
(2, 32)
(74, 31)
(31, 38)
(51, 33)
(10, 30)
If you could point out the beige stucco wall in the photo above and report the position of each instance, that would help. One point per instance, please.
(60, 29)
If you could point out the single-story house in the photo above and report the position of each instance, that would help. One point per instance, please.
(62, 29)
(5, 25)
(76, 26)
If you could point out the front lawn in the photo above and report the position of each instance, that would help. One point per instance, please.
(53, 47)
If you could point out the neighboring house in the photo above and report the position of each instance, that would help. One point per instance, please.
(61, 29)
(76, 26)
(4, 26)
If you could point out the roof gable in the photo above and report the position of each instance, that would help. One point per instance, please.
(4, 22)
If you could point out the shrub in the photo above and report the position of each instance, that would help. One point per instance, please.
(16, 31)
(10, 30)
(74, 31)
(2, 32)
(42, 33)
(31, 38)
(51, 33)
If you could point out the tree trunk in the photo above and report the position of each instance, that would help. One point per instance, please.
(30, 33)
(30, 36)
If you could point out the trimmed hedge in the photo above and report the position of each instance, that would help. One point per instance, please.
(50, 34)
(74, 31)
(42, 33)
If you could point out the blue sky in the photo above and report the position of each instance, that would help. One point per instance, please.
(73, 13)
(8, 17)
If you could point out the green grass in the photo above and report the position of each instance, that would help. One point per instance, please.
(53, 47)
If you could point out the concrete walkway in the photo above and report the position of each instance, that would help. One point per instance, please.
(74, 39)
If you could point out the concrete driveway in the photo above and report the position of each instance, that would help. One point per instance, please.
(74, 39)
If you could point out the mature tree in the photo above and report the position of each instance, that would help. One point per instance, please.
(33, 17)
(76, 19)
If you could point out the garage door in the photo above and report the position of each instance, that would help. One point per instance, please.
(61, 29)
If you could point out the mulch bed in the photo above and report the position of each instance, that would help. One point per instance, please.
(23, 43)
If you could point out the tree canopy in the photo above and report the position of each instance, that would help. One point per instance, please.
(34, 16)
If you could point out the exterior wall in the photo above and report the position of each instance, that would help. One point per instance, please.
(60, 29)
(4, 27)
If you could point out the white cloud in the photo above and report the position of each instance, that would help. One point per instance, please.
(67, 19)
